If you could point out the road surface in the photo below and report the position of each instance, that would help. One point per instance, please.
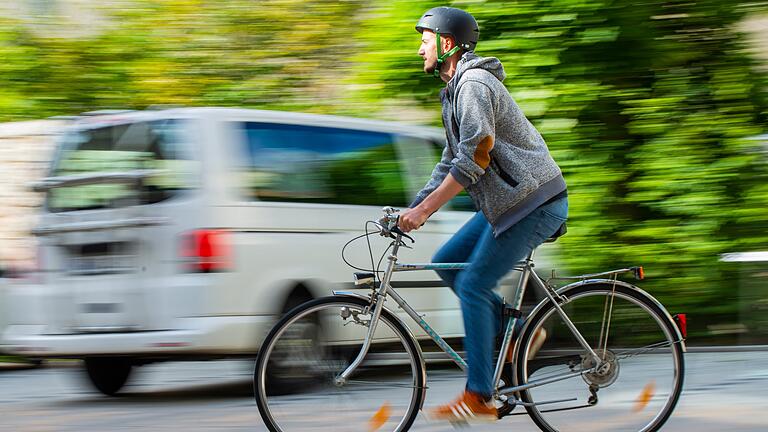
(723, 391)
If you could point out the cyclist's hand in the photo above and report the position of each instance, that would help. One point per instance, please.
(412, 218)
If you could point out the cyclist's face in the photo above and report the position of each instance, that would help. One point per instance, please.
(428, 51)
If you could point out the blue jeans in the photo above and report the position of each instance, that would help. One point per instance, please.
(490, 259)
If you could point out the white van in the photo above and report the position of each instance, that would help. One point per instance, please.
(184, 233)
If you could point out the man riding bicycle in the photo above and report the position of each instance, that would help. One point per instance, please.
(494, 153)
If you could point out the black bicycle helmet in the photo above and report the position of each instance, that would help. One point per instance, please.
(451, 21)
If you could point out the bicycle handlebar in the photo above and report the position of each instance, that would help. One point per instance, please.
(389, 224)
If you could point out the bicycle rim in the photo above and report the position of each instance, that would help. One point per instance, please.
(641, 381)
(312, 346)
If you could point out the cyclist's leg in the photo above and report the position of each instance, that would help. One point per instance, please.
(460, 246)
(458, 249)
(491, 259)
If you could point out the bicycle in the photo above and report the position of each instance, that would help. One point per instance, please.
(599, 328)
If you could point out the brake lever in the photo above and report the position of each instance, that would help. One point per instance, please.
(396, 229)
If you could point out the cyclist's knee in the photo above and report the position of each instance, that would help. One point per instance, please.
(474, 290)
(443, 255)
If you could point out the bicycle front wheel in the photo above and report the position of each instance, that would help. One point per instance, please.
(635, 384)
(295, 377)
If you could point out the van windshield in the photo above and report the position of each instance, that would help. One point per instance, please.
(156, 145)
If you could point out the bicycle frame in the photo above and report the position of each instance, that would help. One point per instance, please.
(525, 266)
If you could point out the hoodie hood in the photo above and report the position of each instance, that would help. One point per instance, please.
(470, 60)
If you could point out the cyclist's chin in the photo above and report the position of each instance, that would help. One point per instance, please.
(430, 68)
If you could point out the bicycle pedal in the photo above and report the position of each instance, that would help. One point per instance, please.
(506, 409)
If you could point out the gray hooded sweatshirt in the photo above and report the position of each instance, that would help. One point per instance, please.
(491, 148)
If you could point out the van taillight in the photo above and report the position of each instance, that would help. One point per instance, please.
(206, 251)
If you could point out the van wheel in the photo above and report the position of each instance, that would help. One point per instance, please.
(108, 374)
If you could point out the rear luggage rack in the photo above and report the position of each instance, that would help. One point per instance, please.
(636, 271)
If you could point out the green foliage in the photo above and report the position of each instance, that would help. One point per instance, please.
(278, 54)
(648, 107)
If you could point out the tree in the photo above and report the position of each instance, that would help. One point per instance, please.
(279, 54)
(648, 108)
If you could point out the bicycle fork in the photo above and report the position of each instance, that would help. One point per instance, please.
(377, 305)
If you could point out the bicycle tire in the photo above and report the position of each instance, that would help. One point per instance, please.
(628, 408)
(266, 402)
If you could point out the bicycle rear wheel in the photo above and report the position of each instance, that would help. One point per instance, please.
(640, 381)
(312, 345)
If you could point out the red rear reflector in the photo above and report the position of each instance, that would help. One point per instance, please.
(207, 251)
(682, 324)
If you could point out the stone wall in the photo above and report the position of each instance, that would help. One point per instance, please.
(25, 151)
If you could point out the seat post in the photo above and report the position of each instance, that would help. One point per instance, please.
(529, 257)
(527, 263)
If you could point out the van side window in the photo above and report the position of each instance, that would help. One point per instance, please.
(298, 163)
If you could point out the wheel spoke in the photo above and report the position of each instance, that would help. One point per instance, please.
(382, 384)
(634, 396)
(374, 398)
(643, 350)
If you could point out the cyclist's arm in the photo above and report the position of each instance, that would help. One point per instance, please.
(413, 218)
(475, 115)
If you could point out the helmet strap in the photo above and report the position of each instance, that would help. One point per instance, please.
(442, 56)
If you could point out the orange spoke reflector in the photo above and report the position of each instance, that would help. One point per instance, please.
(645, 396)
(381, 417)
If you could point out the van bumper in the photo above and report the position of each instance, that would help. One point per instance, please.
(194, 336)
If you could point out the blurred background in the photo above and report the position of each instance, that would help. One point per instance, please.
(654, 111)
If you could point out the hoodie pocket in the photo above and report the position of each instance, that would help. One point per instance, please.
(503, 174)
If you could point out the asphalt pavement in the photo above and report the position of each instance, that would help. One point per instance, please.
(723, 391)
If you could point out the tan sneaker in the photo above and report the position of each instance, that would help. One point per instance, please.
(536, 344)
(469, 407)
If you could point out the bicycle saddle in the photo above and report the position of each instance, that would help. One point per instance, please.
(559, 233)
